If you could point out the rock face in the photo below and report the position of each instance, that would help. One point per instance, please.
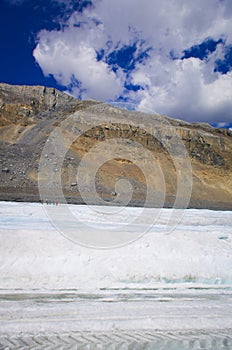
(152, 152)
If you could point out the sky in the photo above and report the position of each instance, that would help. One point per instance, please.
(172, 57)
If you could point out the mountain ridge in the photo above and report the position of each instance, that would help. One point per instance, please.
(29, 114)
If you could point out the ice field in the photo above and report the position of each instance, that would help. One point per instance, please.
(171, 288)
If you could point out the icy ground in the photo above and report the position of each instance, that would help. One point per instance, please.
(173, 289)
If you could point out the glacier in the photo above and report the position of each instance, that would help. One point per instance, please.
(177, 280)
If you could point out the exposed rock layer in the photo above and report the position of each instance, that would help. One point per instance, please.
(28, 116)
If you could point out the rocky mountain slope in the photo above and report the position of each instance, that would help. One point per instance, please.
(46, 132)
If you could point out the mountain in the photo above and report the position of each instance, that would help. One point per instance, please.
(58, 147)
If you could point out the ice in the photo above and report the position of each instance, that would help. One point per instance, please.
(34, 255)
(169, 289)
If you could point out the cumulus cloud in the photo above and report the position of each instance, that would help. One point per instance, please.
(187, 89)
(76, 65)
(124, 49)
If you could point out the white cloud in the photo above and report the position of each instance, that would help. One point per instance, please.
(182, 88)
(60, 55)
(188, 88)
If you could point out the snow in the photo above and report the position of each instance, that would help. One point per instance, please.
(177, 279)
(34, 255)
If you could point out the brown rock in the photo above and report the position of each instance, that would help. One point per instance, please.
(29, 114)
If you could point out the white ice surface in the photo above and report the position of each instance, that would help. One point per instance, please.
(176, 281)
(33, 255)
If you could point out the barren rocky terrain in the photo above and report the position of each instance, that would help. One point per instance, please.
(168, 157)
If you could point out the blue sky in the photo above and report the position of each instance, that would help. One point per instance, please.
(170, 57)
